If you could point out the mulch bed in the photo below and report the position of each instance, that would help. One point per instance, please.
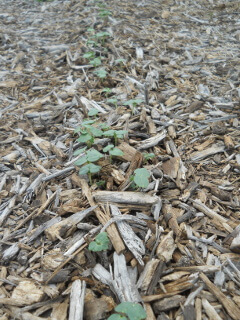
(163, 77)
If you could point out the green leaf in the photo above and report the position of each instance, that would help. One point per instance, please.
(81, 161)
(116, 152)
(93, 155)
(100, 243)
(92, 42)
(78, 129)
(104, 126)
(112, 101)
(95, 62)
(134, 311)
(141, 177)
(107, 148)
(89, 55)
(109, 133)
(84, 137)
(104, 13)
(101, 73)
(84, 169)
(93, 168)
(93, 112)
(120, 133)
(102, 34)
(79, 151)
(117, 317)
(101, 183)
(148, 156)
(95, 131)
(86, 122)
(90, 30)
(133, 102)
(89, 168)
(106, 90)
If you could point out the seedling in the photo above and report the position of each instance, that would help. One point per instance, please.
(88, 132)
(96, 62)
(100, 243)
(90, 156)
(101, 183)
(104, 126)
(103, 13)
(113, 101)
(89, 55)
(91, 31)
(92, 43)
(79, 151)
(107, 91)
(116, 134)
(128, 310)
(113, 151)
(141, 177)
(101, 73)
(89, 168)
(133, 103)
(102, 36)
(93, 112)
(148, 156)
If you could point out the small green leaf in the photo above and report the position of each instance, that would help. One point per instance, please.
(116, 152)
(95, 131)
(101, 73)
(92, 43)
(84, 169)
(141, 177)
(101, 183)
(93, 168)
(78, 129)
(90, 30)
(95, 62)
(107, 148)
(109, 133)
(133, 310)
(100, 243)
(133, 102)
(86, 122)
(104, 126)
(79, 151)
(106, 90)
(104, 13)
(93, 112)
(120, 133)
(102, 34)
(84, 137)
(81, 161)
(112, 101)
(89, 168)
(148, 156)
(89, 55)
(93, 155)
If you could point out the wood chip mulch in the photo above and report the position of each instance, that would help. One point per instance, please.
(165, 72)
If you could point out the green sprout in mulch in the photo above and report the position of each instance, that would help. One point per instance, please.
(100, 243)
(128, 311)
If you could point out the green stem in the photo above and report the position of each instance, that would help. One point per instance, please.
(115, 139)
(90, 177)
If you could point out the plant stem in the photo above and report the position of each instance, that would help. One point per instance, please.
(90, 177)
